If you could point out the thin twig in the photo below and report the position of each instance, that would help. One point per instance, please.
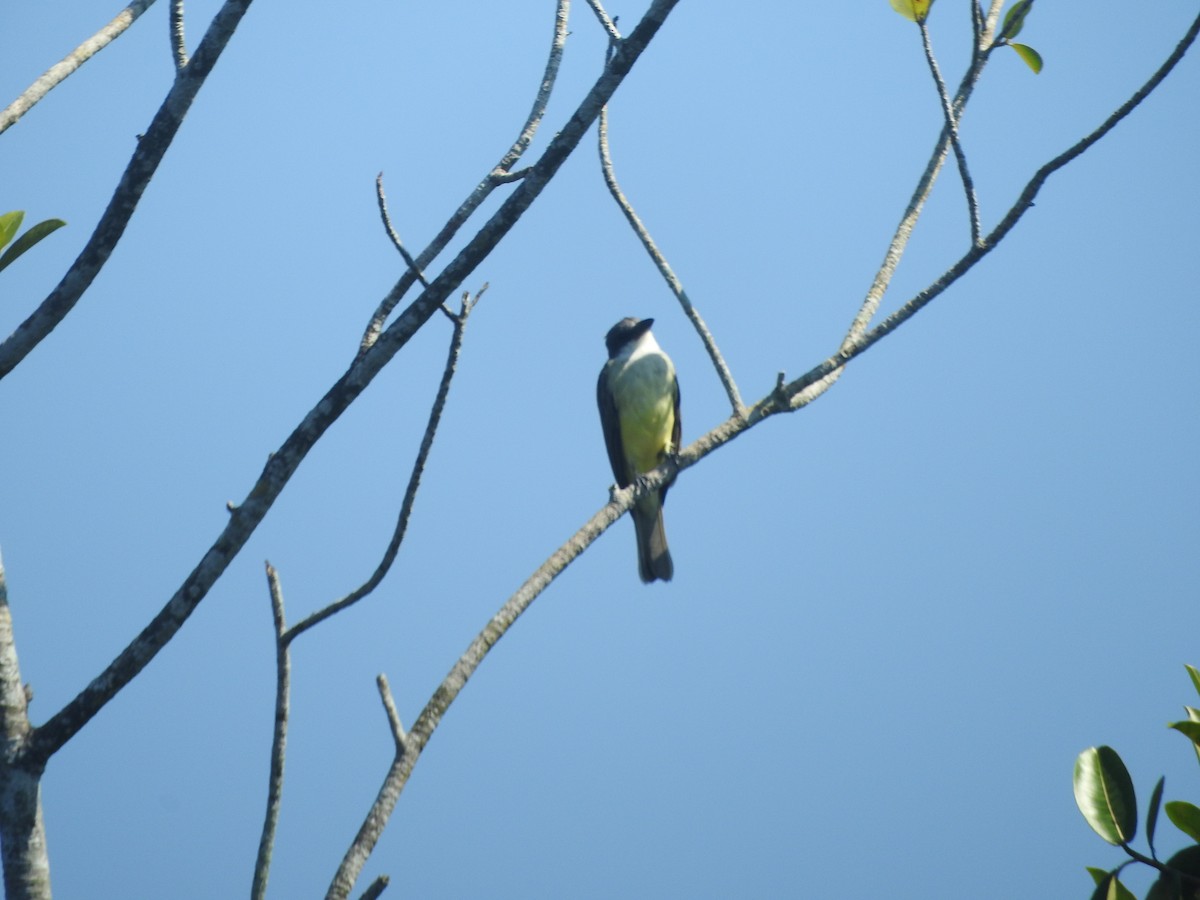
(178, 36)
(393, 235)
(56, 74)
(609, 25)
(664, 268)
(952, 128)
(266, 843)
(414, 480)
(1162, 867)
(393, 717)
(500, 174)
(151, 149)
(377, 887)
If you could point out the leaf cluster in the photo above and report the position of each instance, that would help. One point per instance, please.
(1105, 795)
(1014, 20)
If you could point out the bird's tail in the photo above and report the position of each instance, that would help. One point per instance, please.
(654, 559)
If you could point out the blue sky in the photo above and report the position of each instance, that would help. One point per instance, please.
(897, 615)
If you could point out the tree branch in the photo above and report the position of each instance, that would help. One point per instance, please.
(22, 831)
(916, 204)
(784, 398)
(56, 74)
(664, 268)
(499, 174)
(283, 678)
(1022, 205)
(414, 481)
(149, 153)
(244, 519)
(376, 888)
(952, 129)
(393, 716)
(609, 25)
(393, 236)
(178, 37)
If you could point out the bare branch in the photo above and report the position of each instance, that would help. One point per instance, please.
(389, 707)
(178, 37)
(952, 128)
(22, 831)
(1022, 205)
(1019, 9)
(609, 25)
(244, 519)
(149, 153)
(414, 481)
(427, 722)
(916, 204)
(283, 677)
(391, 232)
(664, 268)
(56, 74)
(993, 16)
(378, 886)
(499, 174)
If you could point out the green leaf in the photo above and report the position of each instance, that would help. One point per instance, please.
(913, 10)
(1186, 817)
(1187, 861)
(1109, 887)
(1104, 794)
(1098, 875)
(1194, 716)
(1195, 675)
(1014, 19)
(9, 223)
(1032, 58)
(1190, 728)
(1152, 812)
(28, 239)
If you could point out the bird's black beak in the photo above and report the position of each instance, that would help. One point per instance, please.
(641, 328)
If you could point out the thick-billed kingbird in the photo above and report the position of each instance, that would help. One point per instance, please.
(638, 397)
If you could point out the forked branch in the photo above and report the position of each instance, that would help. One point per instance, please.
(785, 397)
(664, 268)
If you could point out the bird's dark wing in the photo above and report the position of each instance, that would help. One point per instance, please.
(676, 433)
(612, 432)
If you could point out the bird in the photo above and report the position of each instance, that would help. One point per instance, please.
(638, 396)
